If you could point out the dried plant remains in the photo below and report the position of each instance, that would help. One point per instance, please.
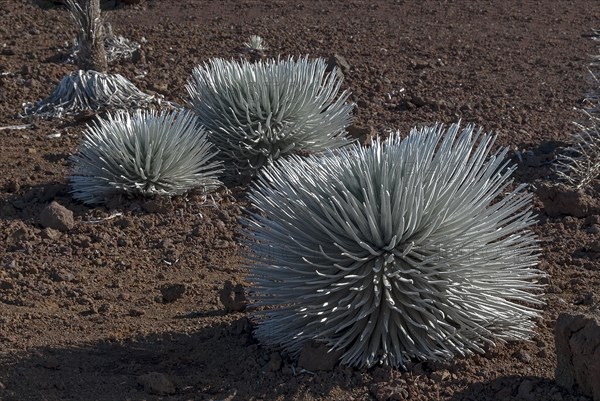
(116, 47)
(90, 34)
(90, 91)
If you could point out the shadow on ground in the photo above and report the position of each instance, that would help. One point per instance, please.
(516, 388)
(216, 363)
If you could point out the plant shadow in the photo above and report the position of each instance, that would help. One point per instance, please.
(214, 363)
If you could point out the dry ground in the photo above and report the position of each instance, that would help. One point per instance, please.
(81, 313)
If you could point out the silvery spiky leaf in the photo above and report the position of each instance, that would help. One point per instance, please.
(256, 113)
(143, 154)
(579, 164)
(90, 90)
(255, 44)
(413, 248)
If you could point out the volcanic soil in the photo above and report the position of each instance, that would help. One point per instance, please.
(128, 304)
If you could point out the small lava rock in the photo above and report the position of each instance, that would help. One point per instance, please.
(50, 233)
(523, 356)
(6, 285)
(61, 275)
(156, 383)
(440, 375)
(136, 312)
(172, 292)
(13, 186)
(577, 341)
(338, 61)
(57, 217)
(388, 392)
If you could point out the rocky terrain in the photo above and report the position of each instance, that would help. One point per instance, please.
(137, 300)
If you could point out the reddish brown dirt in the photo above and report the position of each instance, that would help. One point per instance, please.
(81, 313)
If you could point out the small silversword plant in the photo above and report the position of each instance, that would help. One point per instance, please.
(579, 164)
(255, 44)
(143, 154)
(257, 113)
(414, 248)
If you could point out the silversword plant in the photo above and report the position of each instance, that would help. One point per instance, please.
(257, 113)
(414, 248)
(143, 154)
(255, 44)
(579, 164)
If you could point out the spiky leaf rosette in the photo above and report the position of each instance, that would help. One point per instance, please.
(255, 44)
(143, 154)
(258, 112)
(579, 164)
(412, 248)
(90, 90)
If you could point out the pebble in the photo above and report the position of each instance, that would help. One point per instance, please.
(57, 217)
(50, 233)
(523, 356)
(585, 299)
(104, 308)
(440, 375)
(6, 285)
(156, 383)
(171, 293)
(593, 229)
(363, 134)
(61, 275)
(338, 61)
(123, 296)
(13, 186)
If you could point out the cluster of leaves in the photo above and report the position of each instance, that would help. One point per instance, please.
(253, 113)
(256, 113)
(579, 164)
(143, 154)
(408, 249)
